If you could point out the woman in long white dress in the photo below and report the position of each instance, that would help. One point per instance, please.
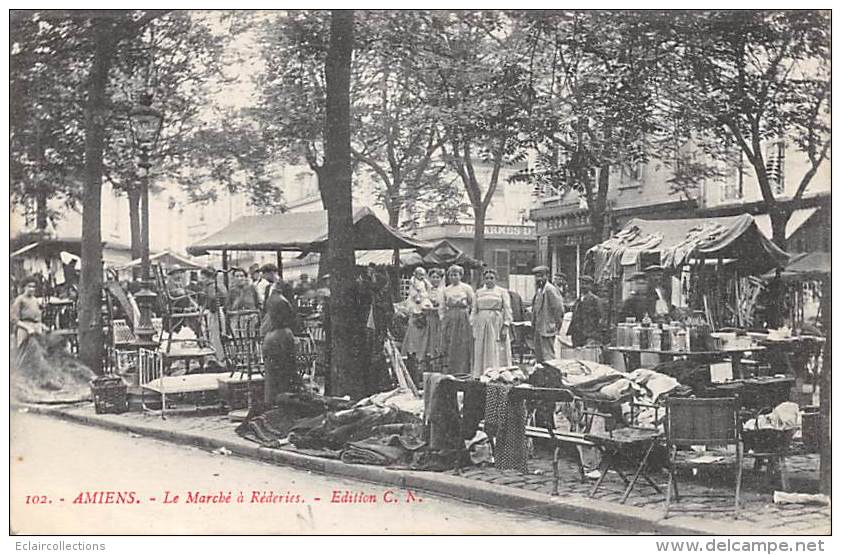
(491, 320)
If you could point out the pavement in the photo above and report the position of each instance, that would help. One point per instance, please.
(509, 490)
(241, 495)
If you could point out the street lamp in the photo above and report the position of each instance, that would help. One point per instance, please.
(145, 123)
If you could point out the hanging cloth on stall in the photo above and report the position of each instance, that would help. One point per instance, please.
(506, 421)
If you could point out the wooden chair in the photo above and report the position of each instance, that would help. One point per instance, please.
(179, 310)
(241, 342)
(707, 422)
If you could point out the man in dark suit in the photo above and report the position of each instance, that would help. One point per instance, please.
(587, 319)
(547, 315)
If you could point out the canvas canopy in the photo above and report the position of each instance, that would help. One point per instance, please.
(805, 266)
(301, 231)
(680, 241)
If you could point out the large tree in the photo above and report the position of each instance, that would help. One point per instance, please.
(476, 68)
(393, 131)
(46, 116)
(596, 76)
(79, 48)
(759, 80)
(334, 181)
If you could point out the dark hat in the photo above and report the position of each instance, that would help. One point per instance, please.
(654, 268)
(637, 276)
(541, 269)
(561, 275)
(269, 267)
(586, 279)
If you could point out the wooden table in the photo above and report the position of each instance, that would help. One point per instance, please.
(709, 354)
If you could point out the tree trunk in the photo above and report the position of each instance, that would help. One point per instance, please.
(41, 208)
(133, 195)
(826, 389)
(335, 188)
(91, 339)
(394, 221)
(779, 219)
(479, 214)
(599, 205)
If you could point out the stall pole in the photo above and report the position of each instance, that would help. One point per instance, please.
(577, 269)
(279, 265)
(826, 388)
(225, 266)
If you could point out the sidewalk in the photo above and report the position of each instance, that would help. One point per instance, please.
(510, 490)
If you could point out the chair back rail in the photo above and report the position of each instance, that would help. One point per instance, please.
(710, 421)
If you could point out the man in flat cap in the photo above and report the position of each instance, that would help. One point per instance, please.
(547, 314)
(268, 277)
(585, 328)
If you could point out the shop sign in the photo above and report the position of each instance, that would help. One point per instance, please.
(509, 230)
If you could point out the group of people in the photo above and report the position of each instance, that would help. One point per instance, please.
(473, 329)
(470, 329)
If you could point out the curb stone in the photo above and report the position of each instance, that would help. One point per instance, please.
(620, 518)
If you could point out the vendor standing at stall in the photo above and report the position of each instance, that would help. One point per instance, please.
(243, 295)
(456, 332)
(638, 305)
(585, 328)
(491, 318)
(547, 314)
(660, 293)
(639, 302)
(281, 374)
(25, 313)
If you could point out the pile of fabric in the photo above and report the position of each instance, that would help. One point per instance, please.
(384, 429)
(591, 380)
(44, 372)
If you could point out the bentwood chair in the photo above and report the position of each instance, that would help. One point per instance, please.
(713, 423)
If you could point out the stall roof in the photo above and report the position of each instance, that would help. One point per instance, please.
(678, 241)
(166, 258)
(807, 265)
(301, 231)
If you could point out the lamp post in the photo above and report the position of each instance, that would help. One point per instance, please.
(146, 125)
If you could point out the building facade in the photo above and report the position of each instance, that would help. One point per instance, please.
(564, 233)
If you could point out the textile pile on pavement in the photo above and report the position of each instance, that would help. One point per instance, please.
(385, 429)
(46, 373)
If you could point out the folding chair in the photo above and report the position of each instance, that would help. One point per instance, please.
(707, 422)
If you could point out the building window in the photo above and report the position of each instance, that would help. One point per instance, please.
(733, 186)
(501, 265)
(522, 261)
(630, 175)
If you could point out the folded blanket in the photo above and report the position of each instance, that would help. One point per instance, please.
(387, 450)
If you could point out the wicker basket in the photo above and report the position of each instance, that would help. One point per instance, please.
(767, 440)
(109, 395)
(234, 391)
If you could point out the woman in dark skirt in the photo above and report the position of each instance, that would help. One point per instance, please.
(456, 331)
(281, 372)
